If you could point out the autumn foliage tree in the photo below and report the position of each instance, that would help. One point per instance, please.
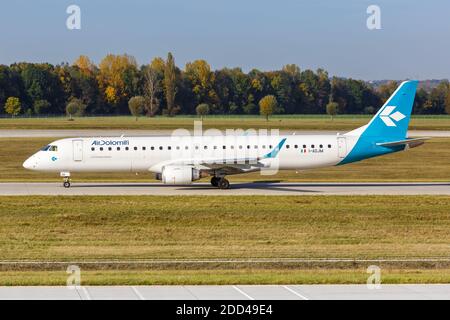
(43, 88)
(267, 106)
(117, 78)
(13, 106)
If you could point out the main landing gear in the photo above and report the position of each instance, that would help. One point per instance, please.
(220, 182)
(66, 179)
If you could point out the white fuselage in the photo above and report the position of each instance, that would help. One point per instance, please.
(143, 154)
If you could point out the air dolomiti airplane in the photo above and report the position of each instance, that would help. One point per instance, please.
(181, 160)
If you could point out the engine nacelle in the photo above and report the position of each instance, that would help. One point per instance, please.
(179, 175)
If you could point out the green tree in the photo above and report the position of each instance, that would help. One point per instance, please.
(13, 106)
(202, 110)
(136, 106)
(332, 109)
(75, 107)
(267, 106)
(170, 85)
(41, 106)
(447, 102)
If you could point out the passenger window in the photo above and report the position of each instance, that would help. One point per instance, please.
(329, 146)
(152, 148)
(160, 148)
(135, 148)
(224, 147)
(205, 147)
(232, 147)
(215, 147)
(240, 147)
(248, 146)
(270, 146)
(178, 147)
(101, 148)
(109, 148)
(312, 146)
(92, 149)
(296, 146)
(264, 146)
(118, 148)
(143, 148)
(169, 148)
(186, 148)
(287, 146)
(304, 146)
(321, 146)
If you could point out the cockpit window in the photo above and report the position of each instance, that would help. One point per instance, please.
(50, 148)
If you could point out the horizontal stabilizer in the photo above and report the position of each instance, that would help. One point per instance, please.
(413, 142)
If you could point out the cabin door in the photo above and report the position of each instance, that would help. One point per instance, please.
(77, 146)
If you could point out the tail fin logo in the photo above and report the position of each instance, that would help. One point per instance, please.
(387, 116)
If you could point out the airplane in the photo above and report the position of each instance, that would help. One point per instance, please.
(178, 160)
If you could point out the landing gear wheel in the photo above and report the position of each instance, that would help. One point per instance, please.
(215, 181)
(66, 184)
(223, 183)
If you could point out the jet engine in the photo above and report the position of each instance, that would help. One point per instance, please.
(179, 175)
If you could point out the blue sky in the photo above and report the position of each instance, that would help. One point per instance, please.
(414, 41)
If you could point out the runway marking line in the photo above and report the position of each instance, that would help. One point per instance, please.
(243, 293)
(136, 291)
(296, 293)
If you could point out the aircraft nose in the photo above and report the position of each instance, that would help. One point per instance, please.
(28, 164)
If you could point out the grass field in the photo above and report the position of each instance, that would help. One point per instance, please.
(222, 277)
(429, 162)
(296, 122)
(149, 227)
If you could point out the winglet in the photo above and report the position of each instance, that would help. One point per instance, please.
(274, 152)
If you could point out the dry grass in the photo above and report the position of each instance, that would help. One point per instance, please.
(45, 228)
(152, 227)
(223, 277)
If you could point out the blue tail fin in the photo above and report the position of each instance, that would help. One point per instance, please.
(391, 121)
(389, 125)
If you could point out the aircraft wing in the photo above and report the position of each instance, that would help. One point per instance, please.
(227, 166)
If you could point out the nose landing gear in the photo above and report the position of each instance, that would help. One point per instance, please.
(66, 177)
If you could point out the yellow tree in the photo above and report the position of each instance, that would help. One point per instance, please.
(13, 106)
(85, 65)
(117, 77)
(267, 106)
(202, 78)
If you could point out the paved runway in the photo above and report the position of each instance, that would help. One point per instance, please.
(442, 188)
(240, 292)
(32, 133)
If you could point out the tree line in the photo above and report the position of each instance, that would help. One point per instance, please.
(118, 85)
